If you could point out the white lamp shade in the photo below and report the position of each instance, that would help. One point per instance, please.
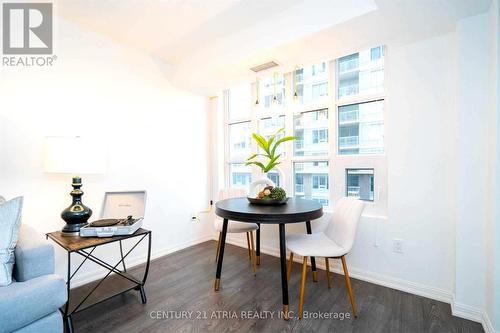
(73, 154)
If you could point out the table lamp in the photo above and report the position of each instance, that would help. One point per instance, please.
(74, 155)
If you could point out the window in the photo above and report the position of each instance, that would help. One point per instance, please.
(320, 136)
(361, 73)
(322, 201)
(311, 132)
(269, 126)
(240, 175)
(360, 184)
(320, 181)
(361, 128)
(311, 83)
(339, 146)
(299, 182)
(311, 181)
(275, 177)
(376, 53)
(240, 140)
(272, 91)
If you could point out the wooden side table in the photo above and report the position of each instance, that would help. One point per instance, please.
(85, 246)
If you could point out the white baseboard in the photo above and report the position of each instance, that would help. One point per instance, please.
(466, 311)
(98, 273)
(458, 310)
(487, 325)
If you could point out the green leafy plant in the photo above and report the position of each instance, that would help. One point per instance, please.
(277, 193)
(269, 146)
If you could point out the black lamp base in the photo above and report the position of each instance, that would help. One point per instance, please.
(76, 215)
(73, 229)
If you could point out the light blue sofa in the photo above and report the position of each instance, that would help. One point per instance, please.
(31, 303)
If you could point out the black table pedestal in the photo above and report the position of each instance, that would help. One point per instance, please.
(313, 260)
(221, 254)
(257, 250)
(295, 211)
(284, 282)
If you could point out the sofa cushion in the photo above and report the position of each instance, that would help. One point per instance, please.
(22, 303)
(52, 323)
(10, 221)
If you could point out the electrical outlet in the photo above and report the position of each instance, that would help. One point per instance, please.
(397, 245)
(193, 217)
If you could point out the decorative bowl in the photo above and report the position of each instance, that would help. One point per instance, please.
(267, 202)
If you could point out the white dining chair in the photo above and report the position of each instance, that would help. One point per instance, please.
(235, 227)
(334, 242)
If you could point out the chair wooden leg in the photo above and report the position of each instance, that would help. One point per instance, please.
(290, 263)
(218, 247)
(349, 288)
(328, 278)
(248, 245)
(302, 286)
(252, 254)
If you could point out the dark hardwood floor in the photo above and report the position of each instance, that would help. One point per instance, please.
(180, 286)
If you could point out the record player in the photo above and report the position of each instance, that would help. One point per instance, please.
(122, 214)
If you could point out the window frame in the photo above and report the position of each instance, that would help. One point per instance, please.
(372, 183)
(337, 164)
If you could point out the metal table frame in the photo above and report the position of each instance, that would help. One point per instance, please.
(86, 253)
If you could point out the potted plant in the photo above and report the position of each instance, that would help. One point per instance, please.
(264, 188)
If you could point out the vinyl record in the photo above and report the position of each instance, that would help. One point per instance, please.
(104, 223)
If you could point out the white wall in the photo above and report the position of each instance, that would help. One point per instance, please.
(477, 278)
(493, 231)
(473, 168)
(495, 308)
(156, 136)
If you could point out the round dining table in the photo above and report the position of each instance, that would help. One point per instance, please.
(294, 211)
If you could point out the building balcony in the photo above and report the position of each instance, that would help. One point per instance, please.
(353, 191)
(350, 90)
(348, 117)
(348, 66)
(346, 142)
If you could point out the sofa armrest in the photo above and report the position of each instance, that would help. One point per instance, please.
(34, 255)
(23, 303)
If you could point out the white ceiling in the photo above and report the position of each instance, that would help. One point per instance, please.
(210, 44)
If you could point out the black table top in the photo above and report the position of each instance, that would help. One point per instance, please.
(294, 211)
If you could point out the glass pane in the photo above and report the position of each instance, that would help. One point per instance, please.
(360, 183)
(274, 176)
(271, 94)
(311, 132)
(311, 83)
(240, 101)
(311, 181)
(361, 128)
(269, 126)
(239, 140)
(240, 175)
(361, 73)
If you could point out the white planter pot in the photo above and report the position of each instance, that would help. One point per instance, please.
(259, 184)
